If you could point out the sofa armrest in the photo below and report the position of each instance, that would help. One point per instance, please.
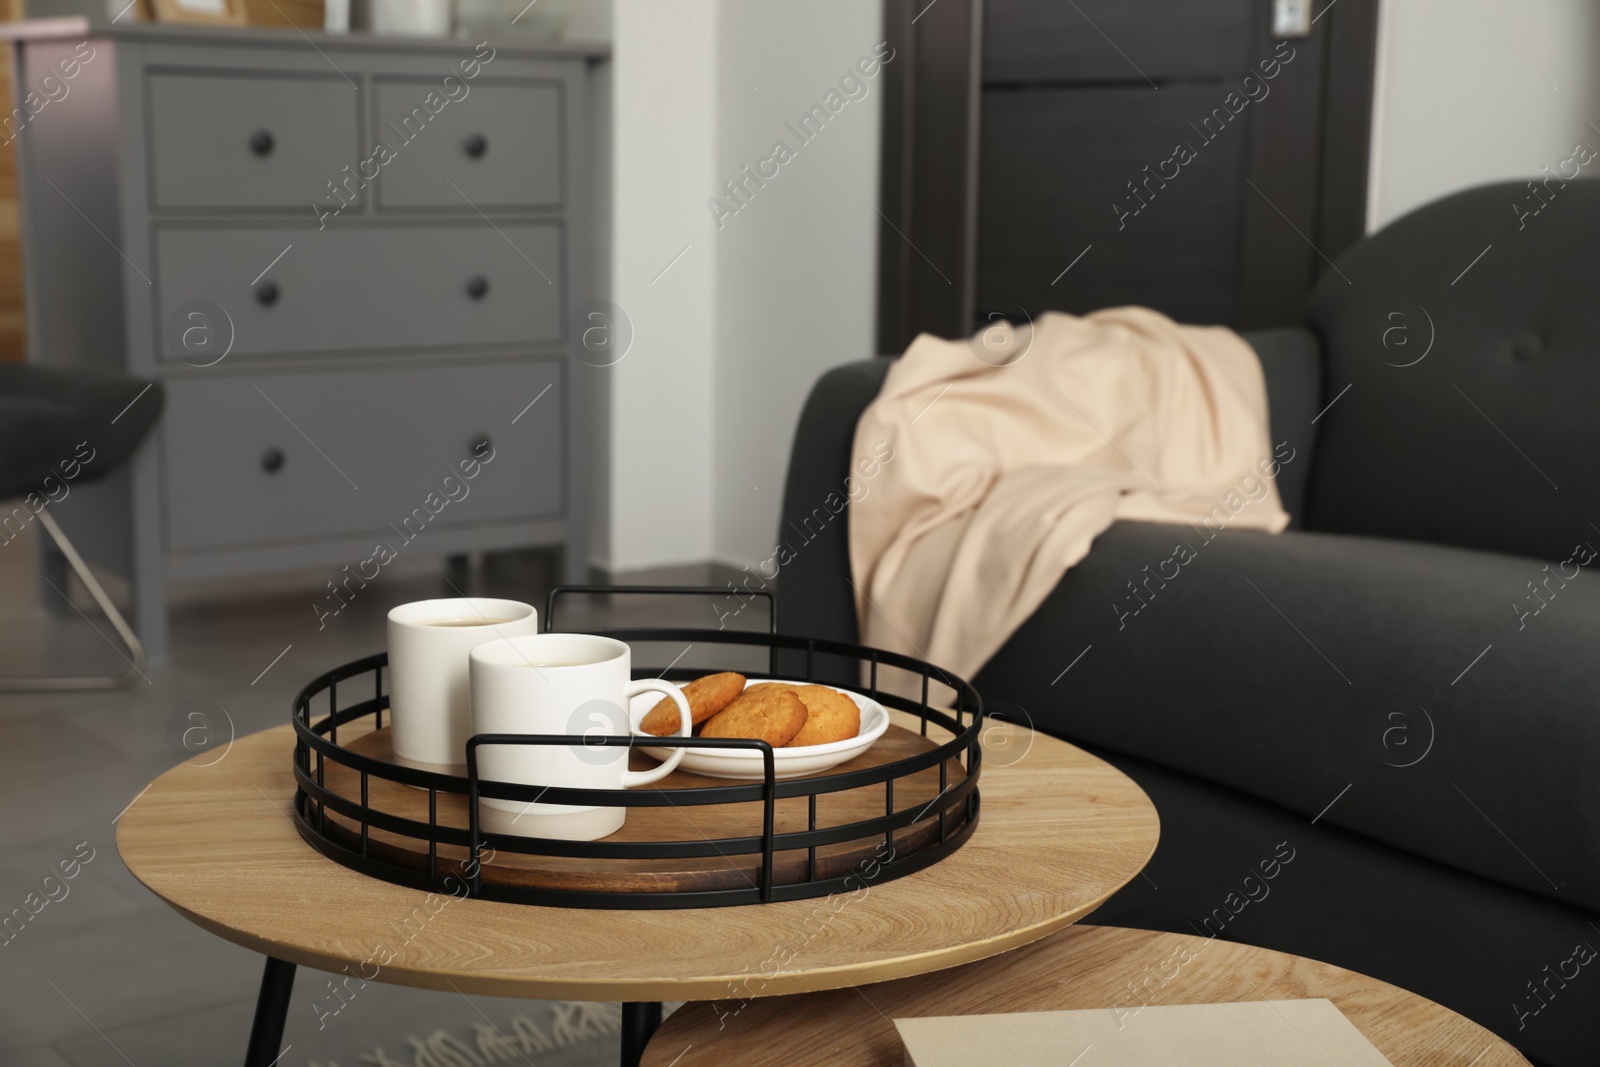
(1291, 360)
(814, 577)
(1295, 665)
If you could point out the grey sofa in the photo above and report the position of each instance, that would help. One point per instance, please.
(1402, 689)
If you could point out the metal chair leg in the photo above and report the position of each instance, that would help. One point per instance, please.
(136, 662)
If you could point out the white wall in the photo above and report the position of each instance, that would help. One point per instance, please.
(797, 265)
(730, 337)
(589, 20)
(659, 486)
(1469, 93)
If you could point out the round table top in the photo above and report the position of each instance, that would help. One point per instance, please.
(1060, 831)
(1083, 967)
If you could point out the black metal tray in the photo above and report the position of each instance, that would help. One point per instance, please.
(689, 842)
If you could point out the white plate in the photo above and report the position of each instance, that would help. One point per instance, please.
(787, 762)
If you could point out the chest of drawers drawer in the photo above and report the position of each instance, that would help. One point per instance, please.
(219, 140)
(272, 457)
(288, 289)
(500, 145)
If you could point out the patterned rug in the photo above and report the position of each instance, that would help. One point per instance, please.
(546, 1033)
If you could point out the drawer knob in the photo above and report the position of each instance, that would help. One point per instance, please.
(261, 142)
(272, 460)
(477, 287)
(267, 293)
(481, 444)
(476, 145)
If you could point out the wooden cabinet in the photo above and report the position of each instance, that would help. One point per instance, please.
(350, 260)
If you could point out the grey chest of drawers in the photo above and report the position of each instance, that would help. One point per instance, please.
(352, 263)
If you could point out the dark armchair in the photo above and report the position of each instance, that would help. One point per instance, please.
(1402, 688)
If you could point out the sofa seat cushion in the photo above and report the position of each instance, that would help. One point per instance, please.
(1388, 687)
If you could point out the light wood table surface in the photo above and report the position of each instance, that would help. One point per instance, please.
(1059, 832)
(1082, 967)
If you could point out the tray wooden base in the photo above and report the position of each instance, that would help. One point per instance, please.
(672, 823)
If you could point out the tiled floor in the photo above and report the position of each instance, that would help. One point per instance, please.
(108, 974)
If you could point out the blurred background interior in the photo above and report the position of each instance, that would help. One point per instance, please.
(646, 228)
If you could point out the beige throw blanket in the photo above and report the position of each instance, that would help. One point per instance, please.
(1004, 457)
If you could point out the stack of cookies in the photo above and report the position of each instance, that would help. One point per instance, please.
(782, 714)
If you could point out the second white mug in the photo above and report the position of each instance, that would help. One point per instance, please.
(560, 684)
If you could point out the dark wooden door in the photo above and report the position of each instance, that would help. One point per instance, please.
(1080, 154)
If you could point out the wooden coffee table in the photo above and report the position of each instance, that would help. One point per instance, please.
(1060, 831)
(1083, 967)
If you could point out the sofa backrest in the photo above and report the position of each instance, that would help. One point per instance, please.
(1291, 363)
(814, 577)
(1461, 347)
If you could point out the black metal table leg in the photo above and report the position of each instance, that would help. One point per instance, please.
(640, 1020)
(272, 1010)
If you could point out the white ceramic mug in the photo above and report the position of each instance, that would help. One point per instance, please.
(560, 684)
(430, 704)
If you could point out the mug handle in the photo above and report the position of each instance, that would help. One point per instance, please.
(672, 692)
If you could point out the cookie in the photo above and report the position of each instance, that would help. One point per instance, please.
(830, 716)
(770, 713)
(707, 696)
(763, 686)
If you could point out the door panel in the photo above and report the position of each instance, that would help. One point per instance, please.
(1085, 109)
(1070, 104)
(1034, 41)
(1056, 168)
